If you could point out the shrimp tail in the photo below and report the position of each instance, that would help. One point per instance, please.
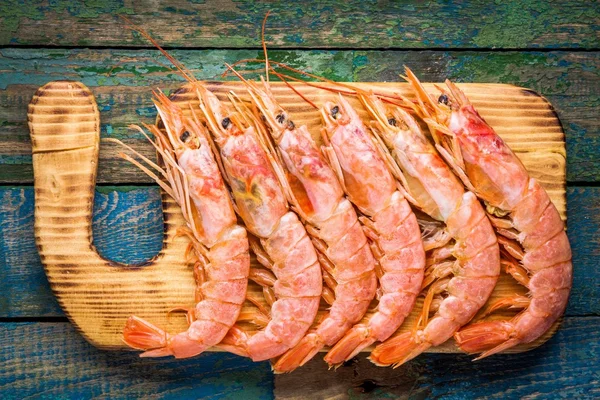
(235, 342)
(397, 350)
(489, 337)
(351, 344)
(299, 355)
(142, 335)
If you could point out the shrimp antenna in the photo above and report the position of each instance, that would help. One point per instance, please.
(264, 45)
(186, 73)
(281, 76)
(394, 98)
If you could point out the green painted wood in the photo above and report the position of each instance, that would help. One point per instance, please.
(128, 228)
(122, 81)
(51, 360)
(329, 23)
(565, 367)
(570, 81)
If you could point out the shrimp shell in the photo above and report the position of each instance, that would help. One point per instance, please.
(262, 204)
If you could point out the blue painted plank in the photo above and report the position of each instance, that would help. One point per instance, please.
(128, 228)
(326, 23)
(51, 360)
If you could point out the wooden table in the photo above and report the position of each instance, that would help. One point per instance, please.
(553, 49)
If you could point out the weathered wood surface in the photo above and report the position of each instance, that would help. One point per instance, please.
(121, 81)
(99, 295)
(51, 360)
(329, 23)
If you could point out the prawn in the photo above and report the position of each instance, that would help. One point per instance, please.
(463, 258)
(293, 270)
(388, 221)
(345, 254)
(221, 245)
(529, 226)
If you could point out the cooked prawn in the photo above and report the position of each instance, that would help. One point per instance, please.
(463, 258)
(389, 222)
(221, 245)
(296, 279)
(528, 224)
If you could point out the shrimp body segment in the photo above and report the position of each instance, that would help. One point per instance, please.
(389, 223)
(463, 258)
(345, 254)
(288, 251)
(529, 226)
(221, 245)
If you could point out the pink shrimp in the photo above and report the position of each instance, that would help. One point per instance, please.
(221, 245)
(529, 226)
(389, 222)
(463, 259)
(346, 257)
(286, 251)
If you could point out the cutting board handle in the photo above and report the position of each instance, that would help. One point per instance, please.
(96, 294)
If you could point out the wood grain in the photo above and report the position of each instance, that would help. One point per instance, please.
(327, 23)
(122, 81)
(98, 297)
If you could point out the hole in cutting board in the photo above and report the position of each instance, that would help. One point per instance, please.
(128, 223)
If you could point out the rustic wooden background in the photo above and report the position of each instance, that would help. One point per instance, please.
(551, 48)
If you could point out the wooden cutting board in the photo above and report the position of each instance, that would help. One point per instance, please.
(98, 294)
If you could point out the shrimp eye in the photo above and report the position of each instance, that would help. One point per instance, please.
(226, 122)
(280, 118)
(184, 136)
(443, 99)
(392, 121)
(291, 125)
(334, 111)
